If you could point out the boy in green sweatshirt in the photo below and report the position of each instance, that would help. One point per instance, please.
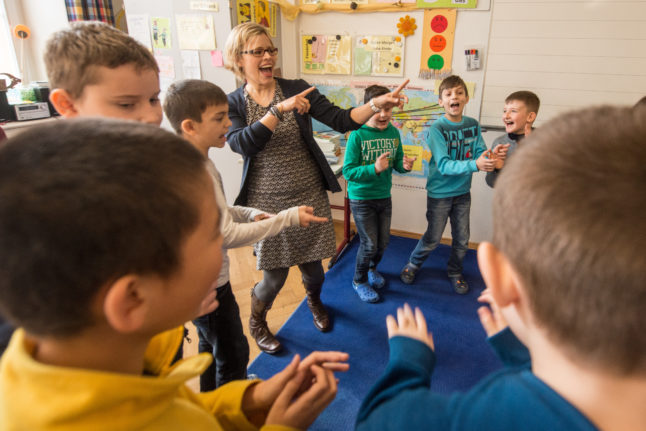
(371, 154)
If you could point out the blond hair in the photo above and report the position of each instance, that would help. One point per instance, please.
(238, 38)
(569, 215)
(72, 54)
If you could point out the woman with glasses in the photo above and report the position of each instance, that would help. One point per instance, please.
(283, 167)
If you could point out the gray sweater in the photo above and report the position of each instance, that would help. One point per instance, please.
(507, 138)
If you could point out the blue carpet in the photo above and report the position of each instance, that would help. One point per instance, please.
(463, 356)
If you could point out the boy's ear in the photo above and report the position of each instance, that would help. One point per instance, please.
(124, 306)
(498, 274)
(188, 127)
(531, 117)
(63, 102)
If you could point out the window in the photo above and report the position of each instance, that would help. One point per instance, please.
(8, 60)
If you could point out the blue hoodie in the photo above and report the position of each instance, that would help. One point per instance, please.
(454, 150)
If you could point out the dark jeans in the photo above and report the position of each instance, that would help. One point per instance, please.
(372, 218)
(220, 333)
(456, 208)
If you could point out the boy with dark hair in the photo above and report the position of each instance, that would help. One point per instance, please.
(109, 231)
(457, 151)
(565, 271)
(519, 114)
(372, 152)
(198, 110)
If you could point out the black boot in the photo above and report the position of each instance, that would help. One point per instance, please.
(321, 318)
(258, 326)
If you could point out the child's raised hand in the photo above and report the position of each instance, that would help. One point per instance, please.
(381, 164)
(490, 317)
(298, 408)
(409, 325)
(500, 153)
(484, 163)
(408, 162)
(306, 216)
(298, 103)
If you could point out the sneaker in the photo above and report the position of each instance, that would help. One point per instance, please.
(365, 292)
(408, 273)
(375, 279)
(459, 284)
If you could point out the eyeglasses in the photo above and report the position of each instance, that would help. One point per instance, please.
(259, 52)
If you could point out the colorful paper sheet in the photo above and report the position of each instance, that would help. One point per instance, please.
(339, 55)
(414, 151)
(437, 43)
(160, 29)
(314, 53)
(244, 10)
(379, 55)
(261, 13)
(273, 13)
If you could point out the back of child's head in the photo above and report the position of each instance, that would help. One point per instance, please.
(531, 100)
(188, 99)
(452, 82)
(641, 103)
(84, 202)
(72, 54)
(374, 91)
(569, 215)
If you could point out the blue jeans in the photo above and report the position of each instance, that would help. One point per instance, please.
(220, 333)
(456, 208)
(372, 218)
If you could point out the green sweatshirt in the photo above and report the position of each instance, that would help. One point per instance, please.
(362, 150)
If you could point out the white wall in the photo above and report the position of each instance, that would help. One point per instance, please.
(472, 30)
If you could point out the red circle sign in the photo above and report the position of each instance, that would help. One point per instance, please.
(439, 23)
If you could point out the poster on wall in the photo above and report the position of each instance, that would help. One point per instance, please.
(331, 54)
(261, 13)
(378, 55)
(437, 43)
(160, 29)
(466, 4)
(244, 11)
(195, 31)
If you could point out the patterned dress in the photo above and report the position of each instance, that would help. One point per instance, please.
(284, 175)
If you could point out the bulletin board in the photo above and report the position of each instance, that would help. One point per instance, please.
(572, 54)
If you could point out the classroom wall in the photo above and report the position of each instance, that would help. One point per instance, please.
(472, 30)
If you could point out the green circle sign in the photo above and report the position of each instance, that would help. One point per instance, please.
(435, 62)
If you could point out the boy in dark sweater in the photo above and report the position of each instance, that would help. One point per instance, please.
(519, 114)
(371, 154)
(563, 271)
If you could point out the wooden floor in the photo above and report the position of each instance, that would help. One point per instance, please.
(243, 276)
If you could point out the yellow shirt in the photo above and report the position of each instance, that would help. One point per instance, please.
(36, 396)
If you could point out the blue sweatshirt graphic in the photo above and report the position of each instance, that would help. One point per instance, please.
(454, 150)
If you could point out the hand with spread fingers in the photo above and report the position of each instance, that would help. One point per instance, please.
(491, 318)
(409, 324)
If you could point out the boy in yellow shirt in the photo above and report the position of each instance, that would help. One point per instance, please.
(95, 70)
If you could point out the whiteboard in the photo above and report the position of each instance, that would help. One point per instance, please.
(571, 53)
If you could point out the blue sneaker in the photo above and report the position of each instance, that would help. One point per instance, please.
(375, 279)
(365, 292)
(408, 273)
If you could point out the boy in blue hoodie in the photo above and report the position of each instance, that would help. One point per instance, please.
(457, 151)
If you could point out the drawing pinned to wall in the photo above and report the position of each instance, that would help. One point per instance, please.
(195, 31)
(244, 10)
(160, 29)
(338, 60)
(466, 4)
(379, 56)
(261, 13)
(437, 43)
(139, 29)
(273, 13)
(314, 54)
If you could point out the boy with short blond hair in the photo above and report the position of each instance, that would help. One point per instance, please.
(198, 111)
(518, 115)
(110, 235)
(457, 151)
(565, 271)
